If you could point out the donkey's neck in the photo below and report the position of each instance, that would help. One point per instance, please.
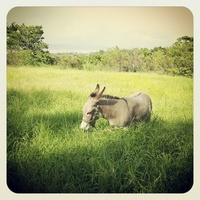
(107, 107)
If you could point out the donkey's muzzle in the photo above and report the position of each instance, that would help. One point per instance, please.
(84, 126)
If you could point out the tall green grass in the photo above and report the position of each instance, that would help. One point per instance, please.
(47, 151)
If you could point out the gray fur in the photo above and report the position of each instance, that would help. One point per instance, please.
(119, 112)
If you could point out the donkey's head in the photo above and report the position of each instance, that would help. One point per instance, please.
(91, 109)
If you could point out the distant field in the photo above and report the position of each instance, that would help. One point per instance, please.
(47, 151)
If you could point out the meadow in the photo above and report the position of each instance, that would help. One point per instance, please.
(48, 153)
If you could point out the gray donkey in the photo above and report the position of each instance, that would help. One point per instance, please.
(119, 112)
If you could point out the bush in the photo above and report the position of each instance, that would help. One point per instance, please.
(28, 58)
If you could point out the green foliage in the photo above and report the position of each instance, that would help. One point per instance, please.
(48, 153)
(25, 46)
(69, 61)
(174, 60)
(23, 37)
(181, 54)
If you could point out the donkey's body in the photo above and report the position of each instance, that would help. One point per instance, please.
(119, 112)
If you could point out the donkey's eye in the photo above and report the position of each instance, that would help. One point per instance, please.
(88, 113)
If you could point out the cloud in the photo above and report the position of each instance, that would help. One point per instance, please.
(94, 28)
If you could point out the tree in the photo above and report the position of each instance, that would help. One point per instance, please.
(181, 54)
(21, 37)
(26, 41)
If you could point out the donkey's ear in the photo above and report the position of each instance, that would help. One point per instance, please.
(100, 94)
(96, 91)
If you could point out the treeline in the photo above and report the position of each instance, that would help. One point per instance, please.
(25, 47)
(174, 60)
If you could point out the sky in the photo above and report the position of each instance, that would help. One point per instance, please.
(90, 29)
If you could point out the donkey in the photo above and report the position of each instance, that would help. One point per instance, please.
(119, 112)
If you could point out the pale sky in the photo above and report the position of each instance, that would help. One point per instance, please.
(90, 29)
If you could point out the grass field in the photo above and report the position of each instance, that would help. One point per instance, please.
(47, 151)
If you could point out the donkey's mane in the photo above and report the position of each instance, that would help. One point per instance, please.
(107, 96)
